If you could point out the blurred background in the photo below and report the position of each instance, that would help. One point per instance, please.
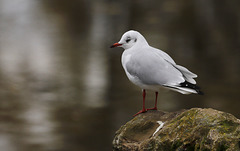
(63, 89)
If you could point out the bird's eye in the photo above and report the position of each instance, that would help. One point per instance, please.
(128, 40)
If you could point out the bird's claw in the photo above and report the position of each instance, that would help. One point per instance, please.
(155, 108)
(142, 111)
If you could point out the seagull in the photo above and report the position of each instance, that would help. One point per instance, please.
(152, 69)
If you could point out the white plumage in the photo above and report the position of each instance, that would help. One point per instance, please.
(151, 68)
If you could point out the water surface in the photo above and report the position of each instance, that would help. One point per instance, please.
(63, 89)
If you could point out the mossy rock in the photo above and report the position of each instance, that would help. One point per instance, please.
(195, 129)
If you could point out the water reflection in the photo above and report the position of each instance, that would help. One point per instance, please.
(62, 88)
(96, 69)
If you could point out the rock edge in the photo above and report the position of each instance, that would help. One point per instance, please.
(193, 129)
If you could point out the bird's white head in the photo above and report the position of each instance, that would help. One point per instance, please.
(129, 39)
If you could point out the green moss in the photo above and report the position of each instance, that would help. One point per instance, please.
(149, 146)
(227, 126)
(189, 115)
(194, 130)
(176, 144)
(189, 147)
(222, 147)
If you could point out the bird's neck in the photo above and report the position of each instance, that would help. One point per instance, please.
(141, 41)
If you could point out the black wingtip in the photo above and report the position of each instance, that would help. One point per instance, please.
(192, 86)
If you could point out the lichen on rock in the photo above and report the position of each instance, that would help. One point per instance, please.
(193, 129)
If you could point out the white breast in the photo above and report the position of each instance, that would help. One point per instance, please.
(126, 57)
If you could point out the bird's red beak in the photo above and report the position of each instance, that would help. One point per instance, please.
(115, 45)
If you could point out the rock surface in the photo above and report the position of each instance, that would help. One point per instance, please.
(194, 129)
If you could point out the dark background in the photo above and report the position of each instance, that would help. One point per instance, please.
(63, 89)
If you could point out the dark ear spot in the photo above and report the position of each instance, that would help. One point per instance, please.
(135, 40)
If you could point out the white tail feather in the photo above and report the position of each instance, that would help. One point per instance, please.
(181, 89)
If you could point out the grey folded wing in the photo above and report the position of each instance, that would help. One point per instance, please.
(152, 69)
(188, 75)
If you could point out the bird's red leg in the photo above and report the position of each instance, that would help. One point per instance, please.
(143, 109)
(155, 107)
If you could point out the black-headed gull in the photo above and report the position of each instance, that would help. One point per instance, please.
(151, 68)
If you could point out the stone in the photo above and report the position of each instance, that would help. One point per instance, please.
(195, 129)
